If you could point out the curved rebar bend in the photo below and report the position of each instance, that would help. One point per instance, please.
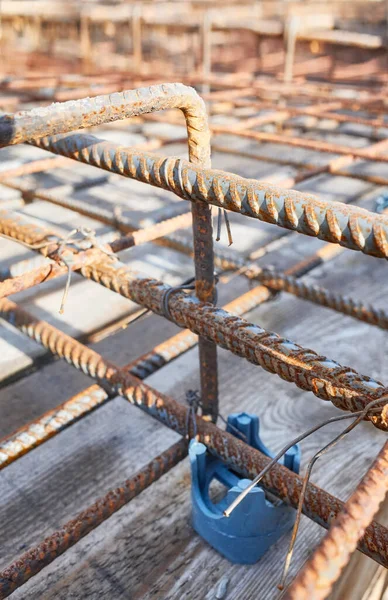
(65, 117)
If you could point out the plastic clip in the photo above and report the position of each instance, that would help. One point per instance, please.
(257, 522)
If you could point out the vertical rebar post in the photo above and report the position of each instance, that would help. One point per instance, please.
(199, 153)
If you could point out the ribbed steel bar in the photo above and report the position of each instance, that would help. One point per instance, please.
(288, 282)
(316, 579)
(184, 340)
(151, 233)
(343, 304)
(346, 390)
(347, 225)
(33, 561)
(51, 423)
(30, 279)
(336, 166)
(226, 259)
(48, 244)
(33, 434)
(13, 226)
(72, 115)
(78, 114)
(328, 380)
(325, 378)
(286, 485)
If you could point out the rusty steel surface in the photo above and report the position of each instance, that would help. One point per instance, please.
(341, 225)
(33, 561)
(33, 434)
(347, 225)
(78, 114)
(103, 109)
(326, 378)
(51, 423)
(286, 485)
(316, 579)
(344, 304)
(228, 260)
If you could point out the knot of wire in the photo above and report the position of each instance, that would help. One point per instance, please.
(85, 235)
(187, 285)
(194, 402)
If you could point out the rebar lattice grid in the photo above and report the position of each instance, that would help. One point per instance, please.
(339, 225)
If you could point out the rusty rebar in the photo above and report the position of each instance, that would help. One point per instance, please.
(226, 259)
(33, 561)
(347, 225)
(343, 304)
(50, 424)
(328, 380)
(286, 485)
(16, 228)
(323, 568)
(72, 115)
(325, 378)
(78, 114)
(30, 436)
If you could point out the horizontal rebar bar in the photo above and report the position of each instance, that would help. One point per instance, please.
(316, 579)
(328, 380)
(347, 225)
(33, 434)
(286, 485)
(225, 259)
(343, 304)
(30, 436)
(33, 561)
(14, 228)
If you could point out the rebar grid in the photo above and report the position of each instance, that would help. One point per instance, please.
(318, 505)
(351, 227)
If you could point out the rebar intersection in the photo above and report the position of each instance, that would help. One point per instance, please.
(194, 181)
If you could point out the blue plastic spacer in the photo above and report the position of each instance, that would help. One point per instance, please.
(256, 523)
(381, 203)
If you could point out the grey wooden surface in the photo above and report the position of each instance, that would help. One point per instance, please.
(149, 549)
